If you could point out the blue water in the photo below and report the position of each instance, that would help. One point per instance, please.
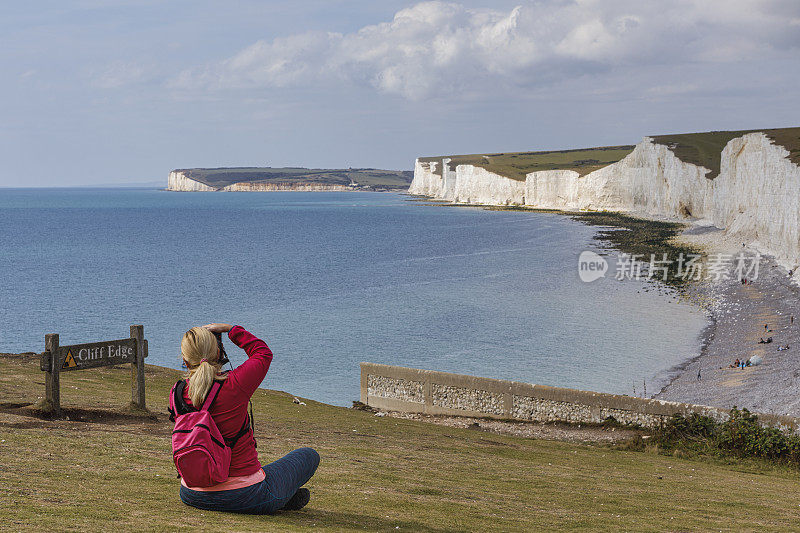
(329, 280)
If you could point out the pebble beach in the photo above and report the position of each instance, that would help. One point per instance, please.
(739, 313)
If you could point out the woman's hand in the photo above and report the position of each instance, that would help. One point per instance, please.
(218, 327)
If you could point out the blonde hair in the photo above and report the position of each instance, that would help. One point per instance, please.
(201, 354)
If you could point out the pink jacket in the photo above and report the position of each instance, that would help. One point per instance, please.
(229, 410)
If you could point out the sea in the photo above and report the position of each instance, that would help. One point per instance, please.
(331, 279)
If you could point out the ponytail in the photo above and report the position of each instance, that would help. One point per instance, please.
(201, 354)
(200, 382)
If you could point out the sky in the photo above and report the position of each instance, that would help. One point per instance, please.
(122, 91)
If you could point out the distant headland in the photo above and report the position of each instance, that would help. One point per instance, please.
(288, 179)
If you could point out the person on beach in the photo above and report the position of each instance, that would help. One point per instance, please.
(250, 488)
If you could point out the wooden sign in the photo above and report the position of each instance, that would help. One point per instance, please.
(57, 359)
(94, 354)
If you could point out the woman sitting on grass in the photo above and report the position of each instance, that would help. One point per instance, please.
(250, 488)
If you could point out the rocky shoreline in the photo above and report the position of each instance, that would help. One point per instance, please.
(739, 314)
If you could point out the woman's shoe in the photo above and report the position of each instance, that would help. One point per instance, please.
(298, 501)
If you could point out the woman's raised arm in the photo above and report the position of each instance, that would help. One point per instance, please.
(249, 375)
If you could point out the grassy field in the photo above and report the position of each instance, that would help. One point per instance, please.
(108, 468)
(222, 177)
(705, 149)
(516, 165)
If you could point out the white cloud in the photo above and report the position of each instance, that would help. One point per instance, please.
(119, 74)
(438, 49)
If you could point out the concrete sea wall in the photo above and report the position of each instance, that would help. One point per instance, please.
(412, 390)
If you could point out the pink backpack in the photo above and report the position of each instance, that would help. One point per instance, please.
(201, 454)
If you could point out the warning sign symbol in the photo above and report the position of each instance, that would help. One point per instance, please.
(69, 362)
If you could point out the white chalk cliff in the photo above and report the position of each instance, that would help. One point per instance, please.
(178, 181)
(263, 187)
(755, 198)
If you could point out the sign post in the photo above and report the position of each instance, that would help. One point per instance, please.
(137, 367)
(52, 380)
(57, 359)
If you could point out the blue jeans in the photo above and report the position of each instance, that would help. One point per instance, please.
(284, 477)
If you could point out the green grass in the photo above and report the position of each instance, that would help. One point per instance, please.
(222, 177)
(702, 149)
(705, 149)
(377, 474)
(516, 165)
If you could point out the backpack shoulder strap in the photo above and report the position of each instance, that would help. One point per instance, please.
(242, 432)
(211, 396)
(178, 405)
(171, 404)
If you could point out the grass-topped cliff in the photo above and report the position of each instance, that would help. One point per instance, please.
(516, 165)
(107, 468)
(702, 149)
(362, 177)
(705, 149)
